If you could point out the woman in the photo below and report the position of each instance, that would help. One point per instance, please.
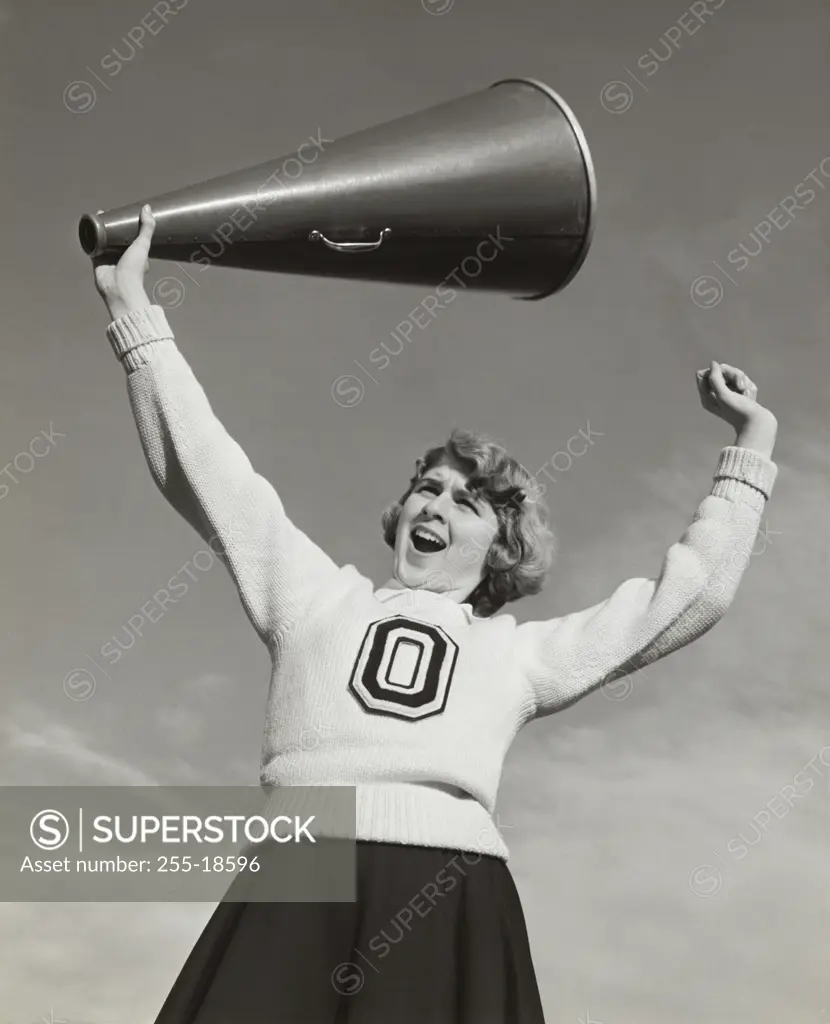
(413, 691)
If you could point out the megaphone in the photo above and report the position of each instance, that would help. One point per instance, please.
(496, 187)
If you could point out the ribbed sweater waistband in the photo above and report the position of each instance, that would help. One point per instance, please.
(410, 813)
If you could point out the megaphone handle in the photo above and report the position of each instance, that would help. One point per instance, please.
(349, 246)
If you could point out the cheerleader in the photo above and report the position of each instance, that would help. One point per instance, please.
(415, 690)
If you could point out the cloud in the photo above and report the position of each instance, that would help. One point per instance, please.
(180, 725)
(56, 741)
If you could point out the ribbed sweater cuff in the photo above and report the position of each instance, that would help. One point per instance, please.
(745, 475)
(130, 334)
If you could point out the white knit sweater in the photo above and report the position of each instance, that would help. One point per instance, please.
(405, 694)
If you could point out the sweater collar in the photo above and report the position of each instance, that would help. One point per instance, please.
(392, 588)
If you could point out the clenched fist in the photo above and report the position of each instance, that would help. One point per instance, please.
(729, 394)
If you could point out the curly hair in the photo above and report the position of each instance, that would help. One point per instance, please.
(523, 548)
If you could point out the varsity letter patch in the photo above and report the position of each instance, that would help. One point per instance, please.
(404, 668)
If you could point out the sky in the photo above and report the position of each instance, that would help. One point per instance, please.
(622, 813)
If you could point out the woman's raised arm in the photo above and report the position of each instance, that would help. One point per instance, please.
(646, 619)
(200, 469)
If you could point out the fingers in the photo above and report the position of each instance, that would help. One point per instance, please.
(717, 380)
(749, 388)
(733, 377)
(712, 387)
(707, 379)
(746, 386)
(736, 380)
(147, 222)
(136, 254)
(146, 227)
(708, 398)
(720, 383)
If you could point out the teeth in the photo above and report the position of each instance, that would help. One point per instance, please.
(430, 537)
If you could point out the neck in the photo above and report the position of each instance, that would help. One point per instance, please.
(459, 596)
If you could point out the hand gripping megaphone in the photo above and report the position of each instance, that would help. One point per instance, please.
(496, 187)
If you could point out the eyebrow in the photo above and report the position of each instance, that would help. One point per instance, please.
(474, 494)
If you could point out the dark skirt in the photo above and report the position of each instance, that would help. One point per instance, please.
(412, 949)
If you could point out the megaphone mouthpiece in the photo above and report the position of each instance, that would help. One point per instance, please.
(92, 234)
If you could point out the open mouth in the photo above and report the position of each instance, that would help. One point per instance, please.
(425, 541)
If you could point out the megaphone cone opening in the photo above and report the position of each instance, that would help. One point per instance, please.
(590, 179)
(91, 234)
